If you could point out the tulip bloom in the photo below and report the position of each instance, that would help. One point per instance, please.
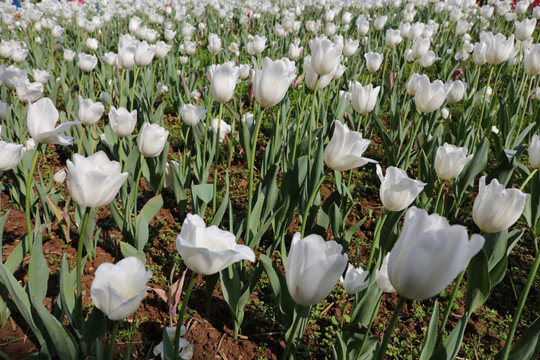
(312, 79)
(455, 91)
(497, 208)
(350, 47)
(363, 98)
(122, 121)
(397, 190)
(152, 139)
(355, 280)
(223, 80)
(345, 149)
(325, 55)
(420, 47)
(256, 45)
(271, 82)
(10, 155)
(373, 61)
(429, 254)
(209, 250)
(313, 268)
(450, 161)
(144, 53)
(94, 181)
(87, 62)
(429, 96)
(89, 112)
(117, 290)
(381, 277)
(41, 121)
(498, 48)
(534, 151)
(531, 60)
(525, 28)
(192, 114)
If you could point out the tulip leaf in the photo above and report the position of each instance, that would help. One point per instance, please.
(63, 341)
(528, 345)
(497, 273)
(168, 347)
(450, 347)
(38, 272)
(531, 213)
(278, 283)
(128, 250)
(67, 296)
(3, 221)
(364, 312)
(431, 335)
(221, 210)
(470, 171)
(95, 328)
(478, 282)
(201, 193)
(151, 208)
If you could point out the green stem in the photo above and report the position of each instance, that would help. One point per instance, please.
(112, 341)
(449, 306)
(376, 239)
(29, 182)
(80, 246)
(298, 121)
(121, 88)
(439, 193)
(411, 142)
(293, 340)
(310, 202)
(390, 329)
(528, 179)
(181, 316)
(137, 69)
(136, 189)
(485, 97)
(527, 97)
(521, 304)
(312, 116)
(251, 167)
(216, 163)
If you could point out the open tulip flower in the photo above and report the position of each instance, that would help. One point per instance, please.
(345, 149)
(10, 155)
(209, 250)
(496, 208)
(41, 121)
(117, 290)
(94, 181)
(313, 268)
(429, 254)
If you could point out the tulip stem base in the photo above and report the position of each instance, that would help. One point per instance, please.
(449, 305)
(29, 182)
(521, 305)
(181, 315)
(391, 326)
(112, 340)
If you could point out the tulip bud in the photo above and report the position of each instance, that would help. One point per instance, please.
(344, 151)
(397, 190)
(60, 176)
(313, 268)
(455, 91)
(497, 208)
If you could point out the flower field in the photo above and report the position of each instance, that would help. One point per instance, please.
(315, 179)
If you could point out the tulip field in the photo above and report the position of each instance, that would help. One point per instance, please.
(313, 179)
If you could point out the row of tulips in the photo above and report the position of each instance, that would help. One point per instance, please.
(203, 75)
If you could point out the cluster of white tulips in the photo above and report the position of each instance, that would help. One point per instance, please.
(439, 100)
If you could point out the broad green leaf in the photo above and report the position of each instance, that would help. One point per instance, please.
(528, 345)
(38, 273)
(478, 283)
(430, 340)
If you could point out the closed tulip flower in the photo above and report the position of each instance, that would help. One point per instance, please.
(429, 96)
(41, 120)
(393, 37)
(525, 29)
(355, 280)
(381, 277)
(214, 44)
(294, 51)
(144, 53)
(350, 47)
(69, 55)
(312, 77)
(10, 155)
(271, 82)
(534, 151)
(479, 53)
(450, 161)
(363, 98)
(152, 139)
(429, 254)
(122, 121)
(455, 91)
(89, 112)
(94, 181)
(256, 45)
(497, 208)
(498, 48)
(373, 61)
(313, 268)
(415, 79)
(428, 59)
(397, 190)
(162, 49)
(223, 80)
(420, 47)
(531, 60)
(208, 250)
(117, 290)
(345, 149)
(92, 44)
(87, 62)
(192, 114)
(325, 55)
(126, 55)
